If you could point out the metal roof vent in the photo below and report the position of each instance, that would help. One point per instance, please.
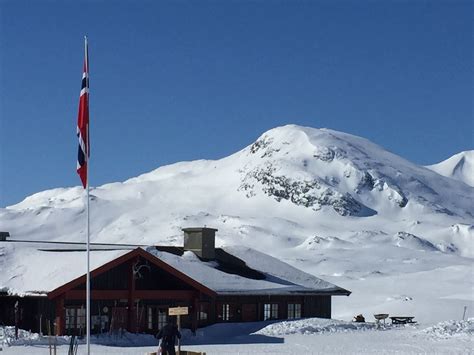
(201, 241)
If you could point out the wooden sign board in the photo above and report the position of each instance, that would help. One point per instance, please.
(178, 311)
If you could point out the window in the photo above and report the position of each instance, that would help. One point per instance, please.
(81, 318)
(203, 312)
(294, 310)
(226, 311)
(70, 318)
(270, 311)
(266, 311)
(150, 318)
(162, 318)
(157, 318)
(75, 318)
(99, 323)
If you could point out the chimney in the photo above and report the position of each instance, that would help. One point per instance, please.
(201, 241)
(4, 236)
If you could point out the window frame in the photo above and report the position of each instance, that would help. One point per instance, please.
(75, 318)
(157, 317)
(203, 312)
(226, 312)
(270, 311)
(294, 310)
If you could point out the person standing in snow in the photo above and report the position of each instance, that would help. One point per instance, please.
(168, 336)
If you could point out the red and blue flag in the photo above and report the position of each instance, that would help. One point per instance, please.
(83, 123)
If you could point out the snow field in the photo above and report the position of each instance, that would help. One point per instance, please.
(308, 336)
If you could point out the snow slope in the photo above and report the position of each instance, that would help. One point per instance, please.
(460, 167)
(330, 203)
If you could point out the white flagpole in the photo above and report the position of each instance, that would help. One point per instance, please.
(88, 278)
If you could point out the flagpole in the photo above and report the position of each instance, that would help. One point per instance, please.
(88, 278)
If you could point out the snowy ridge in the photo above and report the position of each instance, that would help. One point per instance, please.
(329, 203)
(459, 167)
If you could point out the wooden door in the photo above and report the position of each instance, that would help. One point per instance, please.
(249, 312)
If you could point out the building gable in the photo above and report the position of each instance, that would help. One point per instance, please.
(111, 275)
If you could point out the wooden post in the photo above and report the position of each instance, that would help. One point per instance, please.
(48, 325)
(179, 330)
(59, 319)
(131, 297)
(56, 327)
(195, 314)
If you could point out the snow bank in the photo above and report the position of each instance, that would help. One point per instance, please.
(7, 338)
(120, 339)
(313, 326)
(451, 328)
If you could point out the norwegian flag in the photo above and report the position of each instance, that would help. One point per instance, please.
(83, 122)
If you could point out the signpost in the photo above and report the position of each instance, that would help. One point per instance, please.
(178, 312)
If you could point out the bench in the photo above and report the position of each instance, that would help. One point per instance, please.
(402, 320)
(379, 317)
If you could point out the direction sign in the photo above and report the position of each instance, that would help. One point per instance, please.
(178, 311)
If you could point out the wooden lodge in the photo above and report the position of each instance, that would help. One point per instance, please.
(133, 289)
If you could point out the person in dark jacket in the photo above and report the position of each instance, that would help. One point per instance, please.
(168, 336)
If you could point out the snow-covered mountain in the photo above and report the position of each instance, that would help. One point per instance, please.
(460, 167)
(328, 202)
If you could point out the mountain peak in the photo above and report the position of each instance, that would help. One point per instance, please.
(459, 167)
(301, 139)
(319, 168)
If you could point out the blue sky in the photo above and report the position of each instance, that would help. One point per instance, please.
(173, 81)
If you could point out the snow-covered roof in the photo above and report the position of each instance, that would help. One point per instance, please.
(45, 271)
(42, 271)
(279, 277)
